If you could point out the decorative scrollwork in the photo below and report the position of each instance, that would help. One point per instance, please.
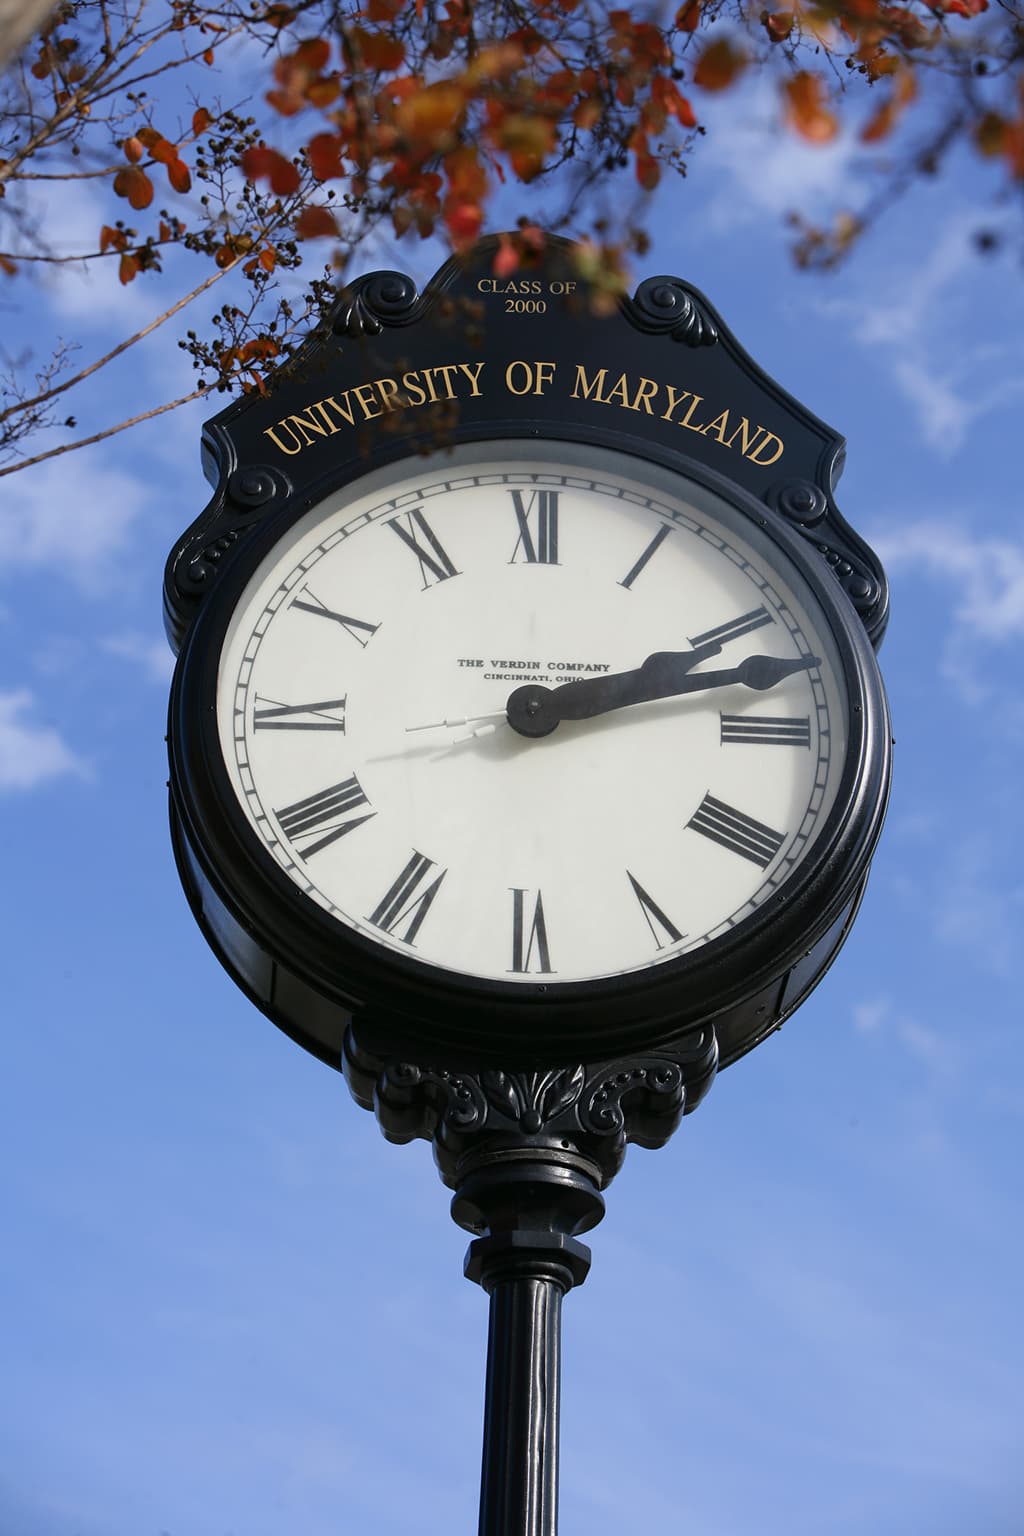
(383, 298)
(532, 1099)
(589, 1111)
(801, 501)
(664, 304)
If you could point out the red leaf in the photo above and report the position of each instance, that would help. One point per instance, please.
(164, 152)
(778, 24)
(806, 109)
(719, 65)
(201, 120)
(506, 260)
(314, 223)
(464, 221)
(6, 265)
(132, 150)
(688, 16)
(325, 156)
(135, 185)
(263, 163)
(128, 269)
(179, 176)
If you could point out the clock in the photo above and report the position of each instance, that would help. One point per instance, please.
(527, 750)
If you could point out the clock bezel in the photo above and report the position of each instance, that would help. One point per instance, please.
(430, 1012)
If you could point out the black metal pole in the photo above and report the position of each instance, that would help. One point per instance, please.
(526, 1261)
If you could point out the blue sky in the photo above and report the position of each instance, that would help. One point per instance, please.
(231, 1309)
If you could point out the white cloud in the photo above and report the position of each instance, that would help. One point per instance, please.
(758, 166)
(878, 1016)
(152, 654)
(924, 325)
(70, 515)
(987, 574)
(30, 754)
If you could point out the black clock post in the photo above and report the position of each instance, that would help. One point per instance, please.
(528, 1155)
(421, 442)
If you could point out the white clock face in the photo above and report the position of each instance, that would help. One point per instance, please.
(362, 698)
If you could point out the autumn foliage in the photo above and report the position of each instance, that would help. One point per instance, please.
(441, 117)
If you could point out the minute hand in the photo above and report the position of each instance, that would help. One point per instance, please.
(535, 711)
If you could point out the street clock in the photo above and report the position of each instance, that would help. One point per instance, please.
(527, 708)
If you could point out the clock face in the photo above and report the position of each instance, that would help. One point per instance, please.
(362, 704)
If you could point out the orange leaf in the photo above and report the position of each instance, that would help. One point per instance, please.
(179, 176)
(506, 260)
(268, 259)
(376, 50)
(6, 265)
(132, 150)
(464, 221)
(382, 10)
(164, 152)
(664, 92)
(263, 163)
(149, 137)
(806, 109)
(325, 156)
(135, 185)
(208, 56)
(315, 222)
(201, 120)
(778, 24)
(128, 268)
(111, 239)
(719, 65)
(688, 16)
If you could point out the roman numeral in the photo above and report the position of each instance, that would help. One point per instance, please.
(655, 544)
(409, 898)
(523, 941)
(746, 622)
(434, 567)
(357, 628)
(324, 817)
(327, 715)
(654, 915)
(768, 730)
(539, 543)
(734, 830)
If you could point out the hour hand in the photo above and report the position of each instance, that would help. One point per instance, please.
(534, 710)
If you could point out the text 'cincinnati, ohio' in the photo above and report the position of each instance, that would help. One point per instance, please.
(619, 391)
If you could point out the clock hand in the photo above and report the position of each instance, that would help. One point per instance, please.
(683, 661)
(534, 710)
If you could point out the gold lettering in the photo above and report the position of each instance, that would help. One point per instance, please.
(361, 391)
(718, 426)
(271, 432)
(472, 372)
(428, 379)
(328, 423)
(644, 395)
(618, 390)
(686, 422)
(749, 438)
(306, 424)
(409, 383)
(342, 410)
(588, 388)
(675, 397)
(768, 438)
(447, 369)
(388, 391)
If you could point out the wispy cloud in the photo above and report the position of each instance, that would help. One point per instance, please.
(150, 653)
(31, 753)
(759, 167)
(879, 1016)
(924, 324)
(71, 517)
(987, 575)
